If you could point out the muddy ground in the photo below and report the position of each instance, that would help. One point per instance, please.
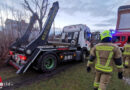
(31, 76)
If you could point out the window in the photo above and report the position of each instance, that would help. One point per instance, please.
(123, 38)
(116, 39)
(124, 21)
(75, 35)
(70, 35)
(128, 39)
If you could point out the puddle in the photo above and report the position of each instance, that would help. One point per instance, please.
(127, 80)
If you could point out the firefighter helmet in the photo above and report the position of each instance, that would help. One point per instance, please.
(105, 34)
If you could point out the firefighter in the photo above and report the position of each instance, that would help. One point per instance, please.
(126, 54)
(104, 55)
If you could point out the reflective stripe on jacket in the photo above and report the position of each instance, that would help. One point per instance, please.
(106, 67)
(105, 54)
(126, 49)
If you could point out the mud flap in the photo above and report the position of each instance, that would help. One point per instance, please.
(30, 60)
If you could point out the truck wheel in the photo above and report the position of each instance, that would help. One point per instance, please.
(48, 63)
(83, 56)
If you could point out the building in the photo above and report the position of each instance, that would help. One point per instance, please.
(17, 28)
(15, 25)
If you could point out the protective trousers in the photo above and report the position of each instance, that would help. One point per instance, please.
(126, 61)
(101, 80)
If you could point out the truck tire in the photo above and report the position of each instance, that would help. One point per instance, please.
(48, 62)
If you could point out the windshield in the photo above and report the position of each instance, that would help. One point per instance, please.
(115, 39)
(124, 21)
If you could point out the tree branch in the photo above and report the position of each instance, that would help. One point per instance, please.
(42, 6)
(37, 3)
(28, 6)
(43, 15)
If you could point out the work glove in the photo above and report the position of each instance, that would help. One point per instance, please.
(125, 66)
(88, 69)
(120, 75)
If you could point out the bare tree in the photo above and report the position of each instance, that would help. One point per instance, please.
(7, 36)
(40, 7)
(4, 40)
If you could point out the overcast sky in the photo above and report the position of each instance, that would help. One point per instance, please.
(96, 14)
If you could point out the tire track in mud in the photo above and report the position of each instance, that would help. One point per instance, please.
(33, 76)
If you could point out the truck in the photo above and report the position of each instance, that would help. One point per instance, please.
(122, 33)
(45, 55)
(95, 38)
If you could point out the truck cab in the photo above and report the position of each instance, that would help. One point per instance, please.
(78, 35)
(122, 32)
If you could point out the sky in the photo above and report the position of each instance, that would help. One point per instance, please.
(96, 14)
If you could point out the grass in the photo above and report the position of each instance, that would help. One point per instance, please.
(6, 73)
(75, 78)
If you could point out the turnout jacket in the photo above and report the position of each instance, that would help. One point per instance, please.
(104, 56)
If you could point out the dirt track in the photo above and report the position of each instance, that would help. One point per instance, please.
(33, 76)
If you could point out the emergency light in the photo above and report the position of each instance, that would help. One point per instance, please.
(113, 32)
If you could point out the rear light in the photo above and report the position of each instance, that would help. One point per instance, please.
(22, 57)
(10, 52)
(74, 54)
(61, 56)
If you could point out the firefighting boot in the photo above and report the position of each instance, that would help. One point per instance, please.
(125, 66)
(95, 88)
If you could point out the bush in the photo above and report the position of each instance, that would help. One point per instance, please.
(5, 42)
